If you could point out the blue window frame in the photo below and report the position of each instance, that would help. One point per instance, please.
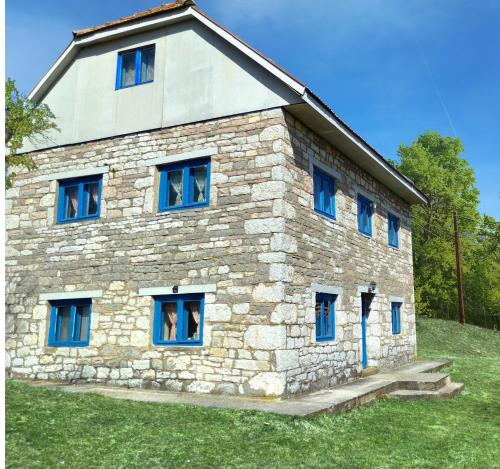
(184, 185)
(365, 211)
(70, 323)
(324, 193)
(135, 67)
(396, 317)
(393, 230)
(325, 316)
(178, 320)
(79, 199)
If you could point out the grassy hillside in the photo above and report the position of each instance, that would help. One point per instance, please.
(51, 429)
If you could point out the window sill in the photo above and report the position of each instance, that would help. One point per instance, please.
(179, 347)
(66, 345)
(394, 248)
(182, 208)
(325, 215)
(325, 339)
(134, 85)
(365, 235)
(76, 220)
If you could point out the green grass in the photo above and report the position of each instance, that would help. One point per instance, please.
(46, 428)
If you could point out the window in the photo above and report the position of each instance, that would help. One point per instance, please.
(396, 318)
(365, 209)
(324, 193)
(393, 229)
(79, 199)
(184, 185)
(70, 323)
(135, 67)
(325, 316)
(178, 320)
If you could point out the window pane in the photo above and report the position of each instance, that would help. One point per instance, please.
(317, 190)
(90, 198)
(147, 64)
(318, 318)
(174, 188)
(169, 326)
(198, 184)
(71, 202)
(82, 318)
(327, 196)
(128, 69)
(328, 318)
(192, 311)
(62, 324)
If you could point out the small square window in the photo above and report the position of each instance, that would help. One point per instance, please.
(184, 185)
(324, 193)
(396, 318)
(325, 316)
(70, 323)
(178, 320)
(393, 230)
(365, 211)
(79, 199)
(135, 67)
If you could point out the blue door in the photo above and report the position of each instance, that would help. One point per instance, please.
(364, 316)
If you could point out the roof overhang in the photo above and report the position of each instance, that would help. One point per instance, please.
(313, 112)
(327, 125)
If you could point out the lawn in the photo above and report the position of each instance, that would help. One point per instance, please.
(47, 429)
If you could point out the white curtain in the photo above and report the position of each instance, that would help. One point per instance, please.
(200, 182)
(147, 65)
(175, 190)
(128, 69)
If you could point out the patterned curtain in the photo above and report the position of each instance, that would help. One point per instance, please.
(72, 202)
(172, 317)
(195, 313)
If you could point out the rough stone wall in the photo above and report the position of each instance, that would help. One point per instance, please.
(235, 244)
(333, 253)
(260, 242)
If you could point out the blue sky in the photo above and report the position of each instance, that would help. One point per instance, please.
(391, 69)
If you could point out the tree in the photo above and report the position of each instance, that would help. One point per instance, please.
(433, 163)
(482, 282)
(24, 119)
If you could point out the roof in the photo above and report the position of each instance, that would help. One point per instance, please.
(183, 9)
(136, 16)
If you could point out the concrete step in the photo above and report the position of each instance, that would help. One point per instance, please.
(446, 392)
(423, 381)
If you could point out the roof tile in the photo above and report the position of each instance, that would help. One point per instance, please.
(134, 17)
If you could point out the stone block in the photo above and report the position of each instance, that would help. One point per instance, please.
(268, 190)
(264, 225)
(265, 337)
(268, 384)
(272, 293)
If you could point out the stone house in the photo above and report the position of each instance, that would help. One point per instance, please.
(201, 222)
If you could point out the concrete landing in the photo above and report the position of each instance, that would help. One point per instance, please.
(414, 381)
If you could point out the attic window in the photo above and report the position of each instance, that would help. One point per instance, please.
(135, 67)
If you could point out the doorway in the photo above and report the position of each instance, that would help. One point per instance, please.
(366, 300)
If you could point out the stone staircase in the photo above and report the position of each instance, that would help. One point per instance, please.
(420, 380)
